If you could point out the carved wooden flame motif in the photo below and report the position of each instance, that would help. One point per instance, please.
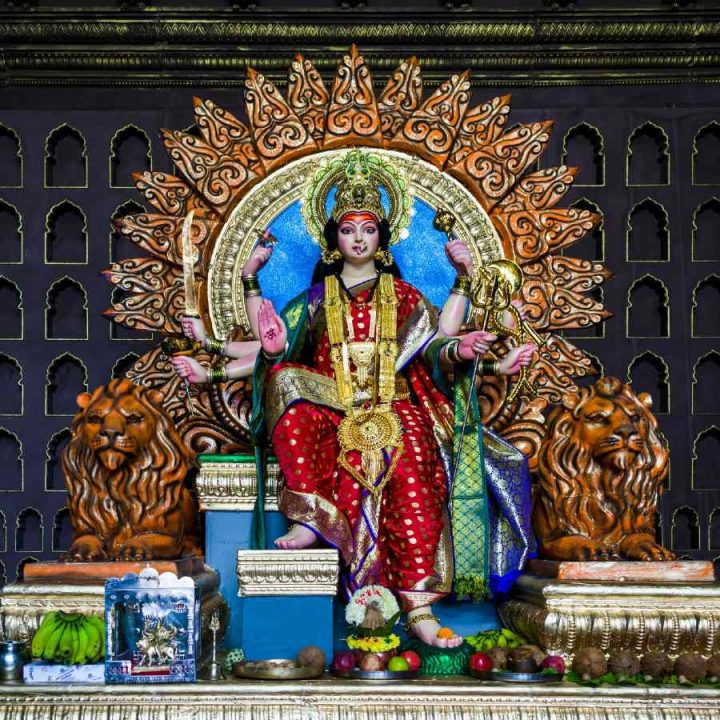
(229, 156)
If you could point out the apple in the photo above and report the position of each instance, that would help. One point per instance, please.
(413, 659)
(344, 661)
(398, 664)
(554, 662)
(481, 662)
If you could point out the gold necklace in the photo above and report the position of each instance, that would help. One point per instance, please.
(376, 429)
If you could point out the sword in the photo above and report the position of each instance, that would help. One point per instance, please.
(189, 257)
(191, 307)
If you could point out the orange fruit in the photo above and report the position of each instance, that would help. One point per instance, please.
(445, 633)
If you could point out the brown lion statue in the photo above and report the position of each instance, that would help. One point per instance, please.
(125, 468)
(601, 468)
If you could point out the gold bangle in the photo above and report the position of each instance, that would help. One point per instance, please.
(253, 293)
(217, 375)
(462, 285)
(215, 346)
(250, 283)
(452, 352)
(490, 367)
(413, 621)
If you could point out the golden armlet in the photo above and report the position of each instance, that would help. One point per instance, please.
(217, 375)
(462, 285)
(215, 346)
(251, 285)
(490, 367)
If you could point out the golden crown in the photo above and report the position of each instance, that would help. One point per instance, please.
(357, 176)
(358, 189)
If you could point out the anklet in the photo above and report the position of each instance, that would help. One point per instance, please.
(413, 621)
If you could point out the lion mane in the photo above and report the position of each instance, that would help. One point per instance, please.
(601, 467)
(125, 468)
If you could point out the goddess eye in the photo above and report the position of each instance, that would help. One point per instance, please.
(345, 230)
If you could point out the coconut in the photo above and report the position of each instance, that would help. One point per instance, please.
(522, 660)
(537, 653)
(624, 662)
(499, 657)
(590, 663)
(655, 664)
(311, 656)
(713, 668)
(690, 667)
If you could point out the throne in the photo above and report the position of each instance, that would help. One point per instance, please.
(241, 179)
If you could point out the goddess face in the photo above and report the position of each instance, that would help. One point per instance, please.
(358, 237)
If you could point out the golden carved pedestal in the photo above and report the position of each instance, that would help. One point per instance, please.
(332, 699)
(23, 604)
(657, 610)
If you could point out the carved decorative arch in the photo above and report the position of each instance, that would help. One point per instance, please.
(11, 310)
(11, 158)
(79, 176)
(651, 207)
(661, 403)
(710, 436)
(11, 250)
(594, 171)
(711, 205)
(698, 329)
(70, 327)
(67, 400)
(662, 310)
(9, 393)
(53, 470)
(655, 132)
(118, 166)
(706, 160)
(713, 392)
(12, 462)
(693, 527)
(56, 214)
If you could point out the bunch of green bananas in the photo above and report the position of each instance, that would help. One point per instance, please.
(69, 638)
(487, 639)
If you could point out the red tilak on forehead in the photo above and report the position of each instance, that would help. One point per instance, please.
(359, 216)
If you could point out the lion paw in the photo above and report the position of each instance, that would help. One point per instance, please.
(644, 547)
(86, 548)
(136, 550)
(579, 548)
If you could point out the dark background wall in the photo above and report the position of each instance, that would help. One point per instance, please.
(87, 87)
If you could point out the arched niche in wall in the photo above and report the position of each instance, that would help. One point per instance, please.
(685, 530)
(61, 530)
(66, 311)
(120, 332)
(11, 382)
(11, 462)
(706, 459)
(705, 310)
(648, 233)
(66, 378)
(65, 158)
(130, 152)
(706, 155)
(592, 245)
(706, 231)
(706, 384)
(66, 235)
(648, 156)
(584, 148)
(714, 530)
(648, 309)
(649, 373)
(54, 479)
(123, 364)
(29, 531)
(21, 566)
(3, 532)
(121, 248)
(11, 158)
(11, 234)
(11, 310)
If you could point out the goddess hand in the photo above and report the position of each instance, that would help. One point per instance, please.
(189, 369)
(194, 329)
(459, 256)
(273, 333)
(516, 359)
(475, 343)
(258, 259)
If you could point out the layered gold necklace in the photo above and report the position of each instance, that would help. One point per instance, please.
(374, 429)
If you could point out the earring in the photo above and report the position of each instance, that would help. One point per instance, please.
(331, 256)
(385, 257)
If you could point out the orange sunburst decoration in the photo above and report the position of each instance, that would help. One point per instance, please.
(223, 169)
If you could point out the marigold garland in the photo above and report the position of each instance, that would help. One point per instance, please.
(373, 644)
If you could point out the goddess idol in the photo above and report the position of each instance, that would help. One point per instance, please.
(362, 389)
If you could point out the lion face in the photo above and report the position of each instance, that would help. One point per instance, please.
(612, 430)
(115, 428)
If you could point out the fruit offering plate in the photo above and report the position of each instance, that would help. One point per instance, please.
(276, 670)
(357, 674)
(516, 677)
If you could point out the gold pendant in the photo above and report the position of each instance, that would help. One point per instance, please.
(362, 354)
(370, 432)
